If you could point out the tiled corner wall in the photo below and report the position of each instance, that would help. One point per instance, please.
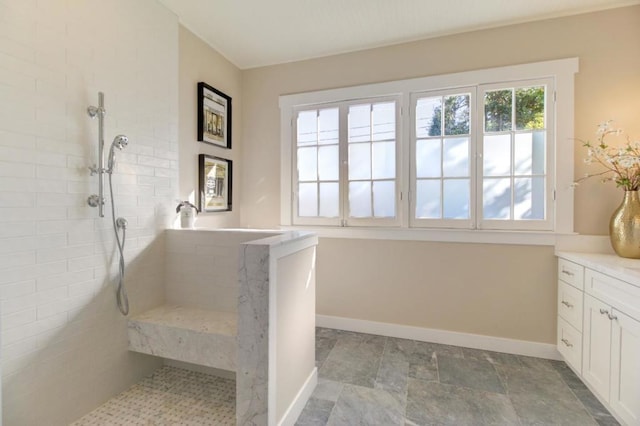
(64, 343)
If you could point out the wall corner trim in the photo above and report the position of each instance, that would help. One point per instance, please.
(454, 338)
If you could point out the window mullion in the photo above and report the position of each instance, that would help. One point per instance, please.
(371, 130)
(442, 164)
(473, 158)
(344, 163)
(479, 160)
(318, 162)
(512, 175)
(513, 154)
(443, 112)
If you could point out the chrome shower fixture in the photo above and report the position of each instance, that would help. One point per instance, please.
(120, 142)
(121, 223)
(97, 200)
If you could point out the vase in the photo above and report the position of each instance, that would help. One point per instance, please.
(624, 227)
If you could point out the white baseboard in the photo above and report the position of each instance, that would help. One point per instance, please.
(454, 338)
(293, 412)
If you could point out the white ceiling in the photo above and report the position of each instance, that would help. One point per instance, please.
(253, 33)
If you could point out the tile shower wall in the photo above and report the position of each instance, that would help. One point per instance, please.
(64, 344)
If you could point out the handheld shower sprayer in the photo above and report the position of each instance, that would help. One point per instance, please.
(97, 200)
(120, 142)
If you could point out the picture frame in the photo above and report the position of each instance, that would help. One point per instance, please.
(215, 183)
(214, 116)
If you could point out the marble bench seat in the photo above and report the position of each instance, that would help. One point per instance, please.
(197, 336)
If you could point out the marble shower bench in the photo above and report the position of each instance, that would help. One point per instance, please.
(193, 335)
(242, 301)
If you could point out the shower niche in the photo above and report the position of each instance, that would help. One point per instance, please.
(241, 301)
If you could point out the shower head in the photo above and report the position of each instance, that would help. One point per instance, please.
(120, 142)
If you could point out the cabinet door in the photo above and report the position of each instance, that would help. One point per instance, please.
(625, 368)
(596, 349)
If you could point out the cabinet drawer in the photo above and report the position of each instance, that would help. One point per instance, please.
(570, 304)
(617, 293)
(570, 344)
(571, 273)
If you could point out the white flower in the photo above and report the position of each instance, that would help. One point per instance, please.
(603, 127)
(620, 164)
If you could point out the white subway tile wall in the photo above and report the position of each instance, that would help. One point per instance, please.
(202, 267)
(63, 341)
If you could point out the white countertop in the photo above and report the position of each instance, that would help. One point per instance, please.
(609, 264)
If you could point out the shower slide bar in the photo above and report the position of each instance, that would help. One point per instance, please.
(97, 200)
(119, 142)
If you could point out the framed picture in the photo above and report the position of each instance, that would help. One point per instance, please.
(215, 183)
(214, 116)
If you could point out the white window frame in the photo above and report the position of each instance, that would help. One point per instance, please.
(344, 218)
(314, 220)
(562, 71)
(511, 224)
(373, 221)
(443, 223)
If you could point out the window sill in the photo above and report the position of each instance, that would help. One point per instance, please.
(530, 238)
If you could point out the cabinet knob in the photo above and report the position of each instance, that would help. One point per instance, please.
(567, 304)
(612, 317)
(569, 273)
(566, 342)
(604, 312)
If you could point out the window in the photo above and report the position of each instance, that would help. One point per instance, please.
(476, 150)
(516, 192)
(479, 157)
(360, 136)
(318, 163)
(441, 159)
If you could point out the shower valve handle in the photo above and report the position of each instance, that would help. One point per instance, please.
(94, 200)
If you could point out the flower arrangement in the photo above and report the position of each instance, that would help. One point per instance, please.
(621, 163)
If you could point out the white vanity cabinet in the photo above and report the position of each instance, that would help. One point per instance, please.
(605, 291)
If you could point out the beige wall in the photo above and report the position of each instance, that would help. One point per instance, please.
(488, 289)
(483, 289)
(199, 62)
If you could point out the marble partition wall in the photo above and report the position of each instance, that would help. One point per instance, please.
(256, 318)
(277, 290)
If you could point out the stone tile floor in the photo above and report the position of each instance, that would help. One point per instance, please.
(373, 380)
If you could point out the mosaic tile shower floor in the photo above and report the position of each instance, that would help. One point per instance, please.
(170, 396)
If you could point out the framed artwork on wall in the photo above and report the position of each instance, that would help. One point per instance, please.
(214, 116)
(214, 183)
